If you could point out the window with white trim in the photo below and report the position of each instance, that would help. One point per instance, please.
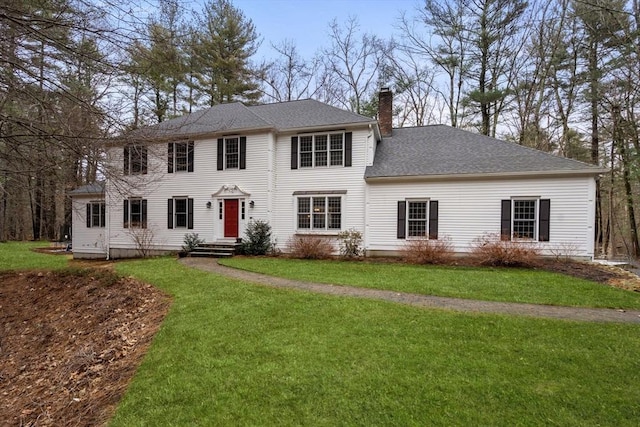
(180, 156)
(320, 213)
(180, 212)
(135, 213)
(417, 218)
(135, 159)
(95, 214)
(232, 153)
(525, 218)
(321, 150)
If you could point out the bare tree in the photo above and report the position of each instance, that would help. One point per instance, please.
(352, 63)
(290, 77)
(445, 44)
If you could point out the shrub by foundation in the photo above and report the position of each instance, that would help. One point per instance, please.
(309, 247)
(425, 251)
(492, 251)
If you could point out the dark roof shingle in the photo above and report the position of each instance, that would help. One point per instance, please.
(444, 150)
(306, 113)
(236, 117)
(95, 188)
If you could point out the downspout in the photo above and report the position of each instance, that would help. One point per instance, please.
(107, 225)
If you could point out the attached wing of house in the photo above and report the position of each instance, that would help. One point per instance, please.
(312, 169)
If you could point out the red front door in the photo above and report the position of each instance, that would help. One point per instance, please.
(231, 218)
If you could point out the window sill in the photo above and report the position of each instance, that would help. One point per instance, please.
(324, 233)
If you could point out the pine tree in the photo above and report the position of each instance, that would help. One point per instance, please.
(226, 40)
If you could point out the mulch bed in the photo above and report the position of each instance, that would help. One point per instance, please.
(70, 343)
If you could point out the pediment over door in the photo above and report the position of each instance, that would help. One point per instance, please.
(230, 191)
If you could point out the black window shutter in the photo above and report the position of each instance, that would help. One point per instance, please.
(543, 226)
(169, 213)
(103, 214)
(190, 149)
(433, 219)
(88, 215)
(170, 157)
(505, 220)
(402, 211)
(190, 214)
(126, 160)
(220, 154)
(347, 149)
(294, 152)
(143, 159)
(243, 152)
(126, 213)
(144, 213)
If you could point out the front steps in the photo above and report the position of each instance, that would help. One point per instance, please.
(222, 249)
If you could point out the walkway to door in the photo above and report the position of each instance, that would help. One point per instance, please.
(455, 304)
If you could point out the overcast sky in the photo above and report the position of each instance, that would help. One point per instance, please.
(306, 21)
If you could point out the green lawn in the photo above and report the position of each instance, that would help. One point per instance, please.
(19, 256)
(233, 353)
(490, 284)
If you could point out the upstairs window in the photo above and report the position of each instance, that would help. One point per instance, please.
(135, 159)
(95, 214)
(321, 150)
(180, 156)
(232, 153)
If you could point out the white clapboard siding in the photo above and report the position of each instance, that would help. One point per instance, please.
(89, 241)
(469, 209)
(200, 185)
(331, 178)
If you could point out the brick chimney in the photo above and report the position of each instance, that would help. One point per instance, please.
(385, 111)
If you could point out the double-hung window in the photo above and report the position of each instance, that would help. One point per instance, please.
(95, 214)
(321, 150)
(135, 213)
(417, 219)
(180, 156)
(180, 213)
(135, 159)
(319, 213)
(232, 152)
(525, 219)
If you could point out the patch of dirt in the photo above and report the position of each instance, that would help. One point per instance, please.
(605, 274)
(70, 343)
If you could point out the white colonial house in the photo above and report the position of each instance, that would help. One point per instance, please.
(312, 169)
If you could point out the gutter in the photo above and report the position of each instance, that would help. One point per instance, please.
(494, 175)
(335, 126)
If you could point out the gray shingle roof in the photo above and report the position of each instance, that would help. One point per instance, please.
(89, 189)
(236, 117)
(220, 118)
(444, 150)
(306, 113)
